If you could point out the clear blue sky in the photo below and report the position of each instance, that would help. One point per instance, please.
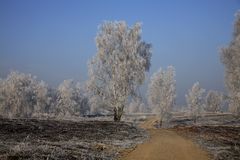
(54, 39)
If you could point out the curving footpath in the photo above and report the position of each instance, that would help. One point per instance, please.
(164, 144)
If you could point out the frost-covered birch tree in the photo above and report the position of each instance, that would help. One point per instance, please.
(71, 100)
(82, 99)
(65, 103)
(214, 100)
(21, 95)
(120, 64)
(230, 57)
(162, 92)
(195, 101)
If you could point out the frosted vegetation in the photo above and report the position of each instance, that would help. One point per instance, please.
(162, 93)
(230, 57)
(23, 96)
(195, 101)
(214, 101)
(116, 74)
(119, 66)
(136, 106)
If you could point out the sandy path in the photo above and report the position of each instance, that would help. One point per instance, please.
(165, 145)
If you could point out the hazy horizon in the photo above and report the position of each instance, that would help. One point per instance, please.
(54, 39)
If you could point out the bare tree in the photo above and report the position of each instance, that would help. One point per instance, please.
(119, 66)
(162, 92)
(230, 57)
(214, 101)
(195, 101)
(22, 95)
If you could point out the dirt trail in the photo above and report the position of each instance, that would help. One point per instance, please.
(165, 145)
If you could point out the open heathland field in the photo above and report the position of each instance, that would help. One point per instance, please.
(218, 134)
(215, 136)
(52, 140)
